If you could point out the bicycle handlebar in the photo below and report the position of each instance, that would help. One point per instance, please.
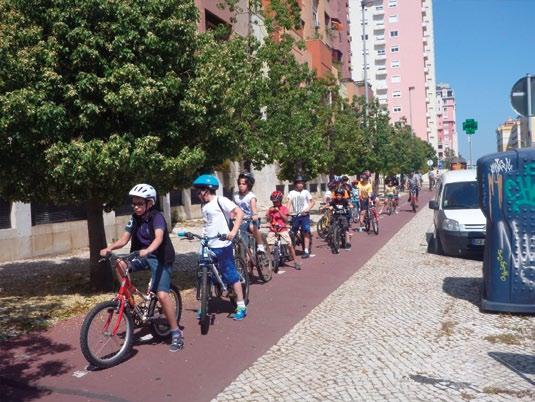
(191, 236)
(112, 255)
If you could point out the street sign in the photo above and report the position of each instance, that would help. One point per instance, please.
(430, 162)
(521, 97)
(470, 126)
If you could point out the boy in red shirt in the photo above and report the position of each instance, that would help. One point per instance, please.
(277, 216)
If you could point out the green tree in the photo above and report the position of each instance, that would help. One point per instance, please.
(96, 96)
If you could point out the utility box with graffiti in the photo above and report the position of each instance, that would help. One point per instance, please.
(507, 198)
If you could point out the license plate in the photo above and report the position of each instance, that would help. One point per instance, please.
(478, 242)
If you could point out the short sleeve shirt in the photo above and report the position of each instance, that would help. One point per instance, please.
(244, 202)
(277, 223)
(340, 206)
(215, 220)
(299, 200)
(365, 190)
(143, 232)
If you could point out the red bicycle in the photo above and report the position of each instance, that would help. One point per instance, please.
(371, 219)
(107, 333)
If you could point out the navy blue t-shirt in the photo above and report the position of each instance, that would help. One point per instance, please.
(144, 233)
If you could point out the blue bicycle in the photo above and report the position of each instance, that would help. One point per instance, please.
(209, 281)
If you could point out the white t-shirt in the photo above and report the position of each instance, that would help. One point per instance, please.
(244, 202)
(215, 222)
(299, 200)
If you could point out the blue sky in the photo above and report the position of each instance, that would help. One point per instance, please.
(482, 47)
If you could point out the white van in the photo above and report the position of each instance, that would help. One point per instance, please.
(459, 224)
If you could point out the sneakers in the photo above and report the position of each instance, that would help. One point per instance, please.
(297, 266)
(177, 342)
(348, 247)
(239, 314)
(260, 248)
(305, 255)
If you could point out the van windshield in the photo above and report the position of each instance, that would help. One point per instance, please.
(461, 195)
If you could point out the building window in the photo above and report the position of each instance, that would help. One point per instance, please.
(397, 109)
(394, 49)
(393, 18)
(396, 78)
(392, 3)
(212, 21)
(378, 8)
(396, 94)
(394, 64)
(394, 34)
(362, 37)
(381, 52)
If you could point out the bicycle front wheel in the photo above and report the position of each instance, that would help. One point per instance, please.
(263, 266)
(107, 334)
(275, 258)
(322, 226)
(159, 326)
(335, 238)
(375, 225)
(204, 295)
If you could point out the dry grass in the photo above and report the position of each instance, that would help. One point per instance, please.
(36, 294)
(506, 338)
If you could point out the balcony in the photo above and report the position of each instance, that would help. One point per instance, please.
(380, 86)
(379, 40)
(379, 56)
(380, 74)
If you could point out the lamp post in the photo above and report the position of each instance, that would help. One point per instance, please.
(410, 109)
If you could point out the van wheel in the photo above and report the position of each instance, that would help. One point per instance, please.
(437, 245)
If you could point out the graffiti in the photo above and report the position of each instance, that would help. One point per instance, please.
(498, 183)
(504, 271)
(520, 190)
(500, 166)
(521, 252)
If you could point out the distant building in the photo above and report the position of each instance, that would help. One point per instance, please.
(446, 128)
(400, 61)
(513, 134)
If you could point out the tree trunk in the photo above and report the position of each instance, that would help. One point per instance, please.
(100, 273)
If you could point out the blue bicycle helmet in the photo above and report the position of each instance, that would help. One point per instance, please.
(206, 181)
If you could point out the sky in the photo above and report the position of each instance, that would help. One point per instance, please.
(482, 47)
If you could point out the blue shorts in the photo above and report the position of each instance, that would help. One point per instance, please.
(225, 264)
(302, 222)
(245, 229)
(364, 204)
(160, 274)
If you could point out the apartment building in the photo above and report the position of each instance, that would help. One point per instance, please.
(513, 134)
(446, 121)
(393, 49)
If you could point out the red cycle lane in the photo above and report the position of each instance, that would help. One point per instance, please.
(49, 366)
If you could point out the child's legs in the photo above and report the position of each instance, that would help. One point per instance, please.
(305, 229)
(161, 284)
(227, 269)
(257, 234)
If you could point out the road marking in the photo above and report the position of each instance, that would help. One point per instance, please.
(80, 373)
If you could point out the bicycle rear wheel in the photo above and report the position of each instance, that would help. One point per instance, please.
(107, 334)
(263, 267)
(244, 280)
(159, 327)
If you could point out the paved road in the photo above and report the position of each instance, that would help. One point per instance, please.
(49, 366)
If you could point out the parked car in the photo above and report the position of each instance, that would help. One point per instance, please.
(459, 223)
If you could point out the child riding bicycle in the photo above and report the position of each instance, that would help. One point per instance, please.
(147, 230)
(300, 203)
(277, 216)
(247, 201)
(341, 207)
(216, 213)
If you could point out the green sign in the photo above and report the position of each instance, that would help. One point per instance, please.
(470, 126)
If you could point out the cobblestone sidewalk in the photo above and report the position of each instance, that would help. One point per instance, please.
(406, 327)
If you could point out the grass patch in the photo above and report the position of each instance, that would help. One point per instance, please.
(35, 295)
(507, 339)
(503, 391)
(447, 327)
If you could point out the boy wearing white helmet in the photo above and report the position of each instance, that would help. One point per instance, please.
(148, 233)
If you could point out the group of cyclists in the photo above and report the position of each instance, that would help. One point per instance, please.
(224, 219)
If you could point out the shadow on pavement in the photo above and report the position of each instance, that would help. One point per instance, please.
(520, 364)
(464, 288)
(22, 365)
